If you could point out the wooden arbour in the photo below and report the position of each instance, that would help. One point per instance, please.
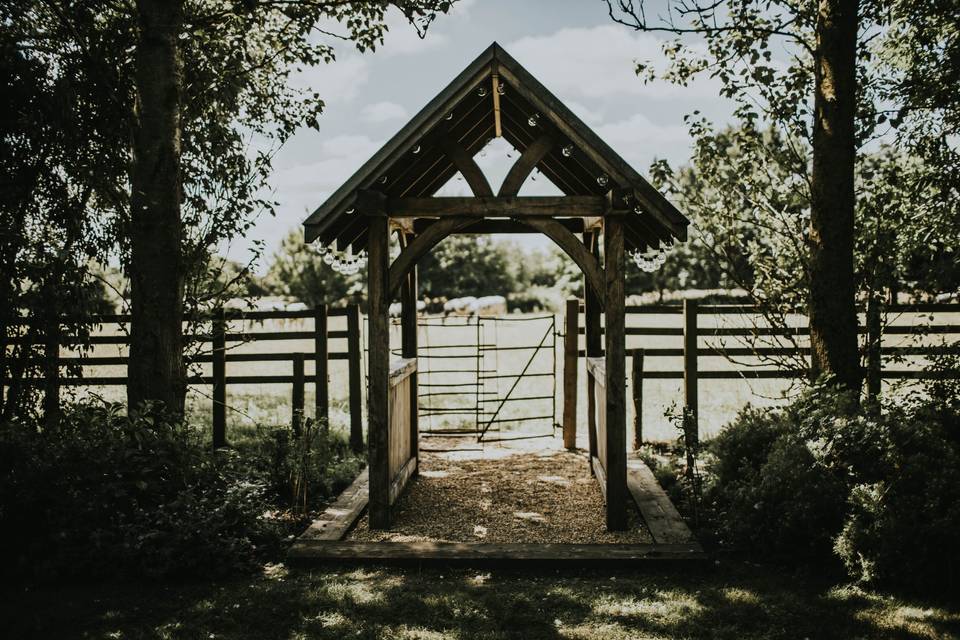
(604, 199)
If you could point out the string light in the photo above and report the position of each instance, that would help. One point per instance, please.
(533, 120)
(343, 262)
(651, 260)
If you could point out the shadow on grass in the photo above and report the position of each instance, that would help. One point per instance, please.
(733, 601)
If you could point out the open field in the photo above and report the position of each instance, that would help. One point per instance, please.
(729, 600)
(720, 399)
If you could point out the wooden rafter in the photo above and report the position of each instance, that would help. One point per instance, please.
(524, 165)
(468, 167)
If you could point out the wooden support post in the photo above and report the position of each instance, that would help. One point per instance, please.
(378, 393)
(219, 379)
(320, 360)
(296, 399)
(874, 338)
(354, 354)
(691, 432)
(571, 343)
(591, 323)
(616, 418)
(637, 388)
(409, 350)
(51, 375)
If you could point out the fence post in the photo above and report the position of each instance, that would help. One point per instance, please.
(637, 388)
(51, 378)
(297, 396)
(690, 421)
(874, 338)
(571, 342)
(219, 356)
(322, 399)
(354, 353)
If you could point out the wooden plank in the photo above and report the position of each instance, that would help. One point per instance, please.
(219, 371)
(409, 337)
(591, 418)
(636, 385)
(297, 395)
(664, 522)
(497, 127)
(468, 169)
(615, 463)
(497, 225)
(496, 206)
(354, 353)
(321, 410)
(399, 482)
(337, 519)
(378, 394)
(690, 392)
(420, 246)
(570, 338)
(597, 466)
(401, 369)
(399, 436)
(317, 550)
(575, 249)
(524, 165)
(591, 302)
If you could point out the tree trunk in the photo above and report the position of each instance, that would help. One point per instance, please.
(833, 317)
(156, 370)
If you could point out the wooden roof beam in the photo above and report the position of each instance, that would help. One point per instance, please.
(498, 207)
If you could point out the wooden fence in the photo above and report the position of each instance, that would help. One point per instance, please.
(222, 339)
(687, 328)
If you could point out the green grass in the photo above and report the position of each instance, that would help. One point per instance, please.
(730, 600)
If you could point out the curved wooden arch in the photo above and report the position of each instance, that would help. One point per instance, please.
(467, 166)
(420, 246)
(444, 227)
(524, 165)
(571, 246)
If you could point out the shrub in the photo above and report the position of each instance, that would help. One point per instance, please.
(880, 488)
(766, 491)
(104, 494)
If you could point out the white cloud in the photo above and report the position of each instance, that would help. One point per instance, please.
(639, 140)
(600, 61)
(338, 81)
(383, 112)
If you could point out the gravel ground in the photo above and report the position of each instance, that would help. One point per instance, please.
(531, 491)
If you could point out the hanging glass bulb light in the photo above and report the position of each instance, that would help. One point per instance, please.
(416, 149)
(351, 211)
(567, 151)
(533, 120)
(449, 116)
(329, 257)
(321, 250)
(500, 88)
(602, 180)
(482, 91)
(382, 180)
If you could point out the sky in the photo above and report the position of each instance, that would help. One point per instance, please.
(571, 46)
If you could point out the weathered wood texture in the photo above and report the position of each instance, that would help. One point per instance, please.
(497, 207)
(524, 165)
(615, 463)
(469, 169)
(659, 514)
(636, 386)
(297, 394)
(378, 393)
(337, 519)
(597, 374)
(317, 550)
(321, 371)
(399, 438)
(690, 375)
(409, 335)
(571, 337)
(354, 382)
(219, 371)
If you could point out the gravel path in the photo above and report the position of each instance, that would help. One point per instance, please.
(533, 491)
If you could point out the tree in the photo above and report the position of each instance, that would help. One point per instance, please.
(812, 97)
(203, 136)
(467, 265)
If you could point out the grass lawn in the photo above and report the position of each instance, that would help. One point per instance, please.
(727, 600)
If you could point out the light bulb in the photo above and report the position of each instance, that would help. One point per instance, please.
(416, 149)
(482, 91)
(500, 88)
(449, 116)
(567, 151)
(351, 211)
(602, 180)
(328, 258)
(532, 120)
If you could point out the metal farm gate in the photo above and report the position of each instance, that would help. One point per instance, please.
(488, 378)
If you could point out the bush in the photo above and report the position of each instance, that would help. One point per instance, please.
(107, 495)
(878, 488)
(767, 492)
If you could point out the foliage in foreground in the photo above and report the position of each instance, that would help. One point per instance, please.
(879, 487)
(106, 495)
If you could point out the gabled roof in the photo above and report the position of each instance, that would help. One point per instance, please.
(415, 162)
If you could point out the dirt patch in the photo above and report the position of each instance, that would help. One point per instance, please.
(503, 494)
